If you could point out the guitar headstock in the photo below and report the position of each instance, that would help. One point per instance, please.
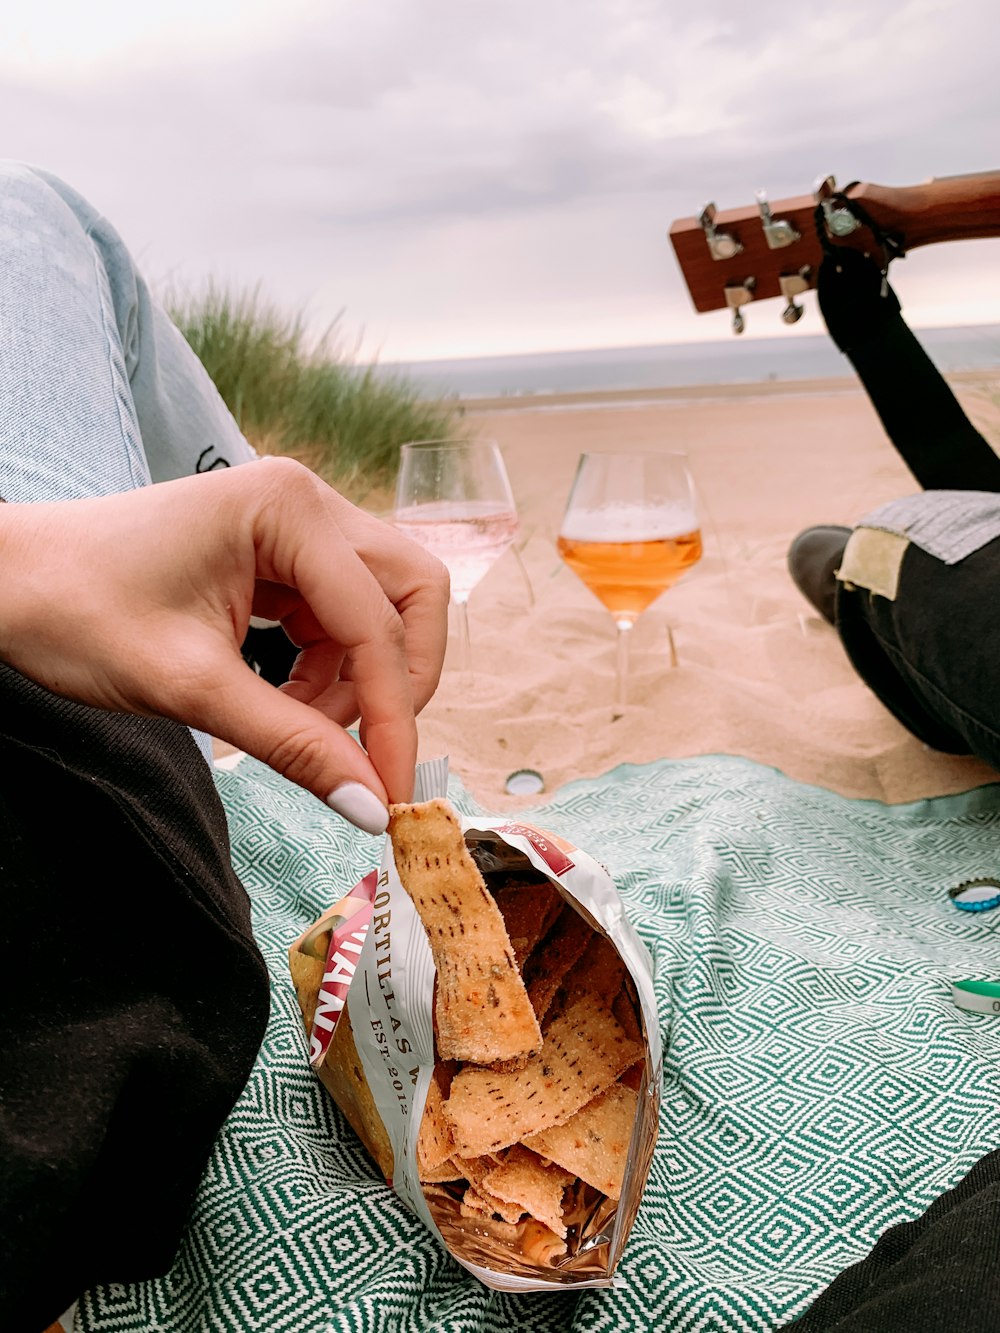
(749, 254)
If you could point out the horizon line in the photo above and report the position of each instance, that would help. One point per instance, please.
(645, 346)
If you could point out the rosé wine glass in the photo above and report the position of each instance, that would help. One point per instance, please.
(629, 532)
(454, 498)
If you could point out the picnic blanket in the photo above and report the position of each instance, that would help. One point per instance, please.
(820, 1085)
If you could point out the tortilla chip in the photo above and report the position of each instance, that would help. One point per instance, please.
(444, 1072)
(550, 963)
(477, 1200)
(482, 1009)
(624, 1010)
(438, 1194)
(541, 1246)
(476, 1169)
(585, 1050)
(600, 971)
(527, 1239)
(522, 1179)
(478, 1197)
(508, 1232)
(593, 1144)
(434, 1142)
(444, 1174)
(528, 911)
(633, 1076)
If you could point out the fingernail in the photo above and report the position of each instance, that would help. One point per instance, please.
(359, 806)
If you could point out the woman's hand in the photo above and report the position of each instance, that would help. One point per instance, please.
(140, 603)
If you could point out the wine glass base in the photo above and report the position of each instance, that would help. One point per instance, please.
(672, 648)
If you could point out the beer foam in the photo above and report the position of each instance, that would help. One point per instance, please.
(629, 523)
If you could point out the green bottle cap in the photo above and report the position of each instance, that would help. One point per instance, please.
(981, 997)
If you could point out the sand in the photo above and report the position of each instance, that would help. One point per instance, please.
(758, 673)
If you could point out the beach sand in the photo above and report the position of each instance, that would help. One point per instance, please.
(758, 673)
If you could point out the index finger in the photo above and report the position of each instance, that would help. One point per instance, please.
(414, 581)
(300, 543)
(361, 618)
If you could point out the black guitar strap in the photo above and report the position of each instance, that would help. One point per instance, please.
(921, 415)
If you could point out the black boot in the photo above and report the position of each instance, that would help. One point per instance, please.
(813, 560)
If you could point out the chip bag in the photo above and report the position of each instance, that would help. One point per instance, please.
(482, 1012)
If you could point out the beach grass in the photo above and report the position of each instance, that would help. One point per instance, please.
(304, 396)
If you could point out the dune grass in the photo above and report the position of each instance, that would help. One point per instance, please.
(305, 397)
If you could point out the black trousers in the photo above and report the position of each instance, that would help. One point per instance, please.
(132, 995)
(932, 655)
(938, 1274)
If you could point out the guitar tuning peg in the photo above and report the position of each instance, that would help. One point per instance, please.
(778, 232)
(738, 294)
(840, 221)
(791, 285)
(721, 244)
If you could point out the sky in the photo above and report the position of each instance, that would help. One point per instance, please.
(443, 178)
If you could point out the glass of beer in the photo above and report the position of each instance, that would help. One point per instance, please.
(629, 532)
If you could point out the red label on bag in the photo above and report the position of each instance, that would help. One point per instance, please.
(550, 848)
(348, 929)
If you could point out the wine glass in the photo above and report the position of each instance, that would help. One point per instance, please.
(629, 532)
(454, 497)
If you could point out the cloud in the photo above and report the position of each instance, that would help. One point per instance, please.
(324, 147)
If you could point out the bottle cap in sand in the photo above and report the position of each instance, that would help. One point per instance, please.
(524, 782)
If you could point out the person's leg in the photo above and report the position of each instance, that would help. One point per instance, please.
(67, 419)
(925, 640)
(99, 392)
(940, 1272)
(132, 996)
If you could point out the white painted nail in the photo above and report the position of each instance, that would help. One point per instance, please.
(359, 806)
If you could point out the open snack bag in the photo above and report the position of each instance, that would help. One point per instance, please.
(483, 1014)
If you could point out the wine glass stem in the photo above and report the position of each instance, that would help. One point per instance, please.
(464, 643)
(624, 633)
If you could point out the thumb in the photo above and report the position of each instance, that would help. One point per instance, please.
(299, 742)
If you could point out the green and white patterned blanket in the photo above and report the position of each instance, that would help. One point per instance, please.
(819, 1083)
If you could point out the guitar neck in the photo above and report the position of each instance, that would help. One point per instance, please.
(950, 208)
(752, 253)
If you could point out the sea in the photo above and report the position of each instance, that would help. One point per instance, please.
(737, 360)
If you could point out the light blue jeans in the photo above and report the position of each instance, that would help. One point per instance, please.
(99, 392)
